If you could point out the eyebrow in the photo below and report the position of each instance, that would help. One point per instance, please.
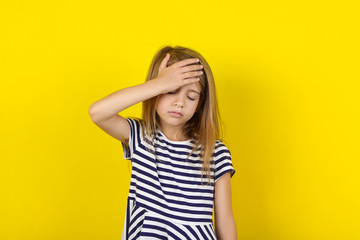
(191, 90)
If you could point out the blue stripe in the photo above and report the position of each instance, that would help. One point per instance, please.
(140, 157)
(163, 177)
(188, 197)
(221, 152)
(153, 235)
(177, 145)
(212, 230)
(177, 159)
(177, 229)
(174, 165)
(166, 192)
(137, 235)
(201, 231)
(127, 218)
(184, 174)
(170, 193)
(208, 231)
(228, 170)
(180, 210)
(200, 190)
(180, 180)
(189, 227)
(226, 164)
(185, 154)
(180, 150)
(135, 217)
(144, 173)
(189, 219)
(161, 228)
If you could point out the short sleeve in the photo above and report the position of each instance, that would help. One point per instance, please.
(223, 161)
(133, 138)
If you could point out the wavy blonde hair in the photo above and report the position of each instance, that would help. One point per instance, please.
(203, 127)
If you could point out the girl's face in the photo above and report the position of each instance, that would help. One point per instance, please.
(177, 107)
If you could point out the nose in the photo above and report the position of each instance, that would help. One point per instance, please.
(179, 105)
(179, 102)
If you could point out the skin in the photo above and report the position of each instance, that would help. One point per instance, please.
(184, 100)
(225, 226)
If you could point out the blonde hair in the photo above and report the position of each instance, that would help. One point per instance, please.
(203, 127)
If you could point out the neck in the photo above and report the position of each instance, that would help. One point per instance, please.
(173, 134)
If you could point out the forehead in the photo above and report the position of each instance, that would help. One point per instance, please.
(193, 86)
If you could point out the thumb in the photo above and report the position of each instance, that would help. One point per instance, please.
(164, 61)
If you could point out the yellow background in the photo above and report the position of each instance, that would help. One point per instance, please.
(288, 85)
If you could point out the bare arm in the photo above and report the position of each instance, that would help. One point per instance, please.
(104, 112)
(225, 227)
(122, 99)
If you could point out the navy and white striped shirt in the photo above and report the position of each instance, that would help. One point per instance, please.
(166, 198)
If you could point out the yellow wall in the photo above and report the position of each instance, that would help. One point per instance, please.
(288, 85)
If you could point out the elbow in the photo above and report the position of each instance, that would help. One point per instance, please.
(92, 113)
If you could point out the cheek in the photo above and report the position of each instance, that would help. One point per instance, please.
(194, 105)
(161, 103)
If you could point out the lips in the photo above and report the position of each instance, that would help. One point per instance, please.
(175, 114)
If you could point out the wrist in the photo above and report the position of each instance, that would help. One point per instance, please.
(154, 84)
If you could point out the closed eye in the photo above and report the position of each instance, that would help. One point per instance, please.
(173, 92)
(192, 99)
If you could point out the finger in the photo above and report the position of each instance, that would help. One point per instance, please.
(192, 74)
(191, 80)
(192, 67)
(186, 62)
(164, 61)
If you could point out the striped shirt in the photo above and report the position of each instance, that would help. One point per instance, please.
(166, 198)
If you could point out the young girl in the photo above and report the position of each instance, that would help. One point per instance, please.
(180, 167)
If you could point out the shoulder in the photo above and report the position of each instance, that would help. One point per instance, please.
(222, 160)
(220, 147)
(136, 128)
(135, 122)
(134, 119)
